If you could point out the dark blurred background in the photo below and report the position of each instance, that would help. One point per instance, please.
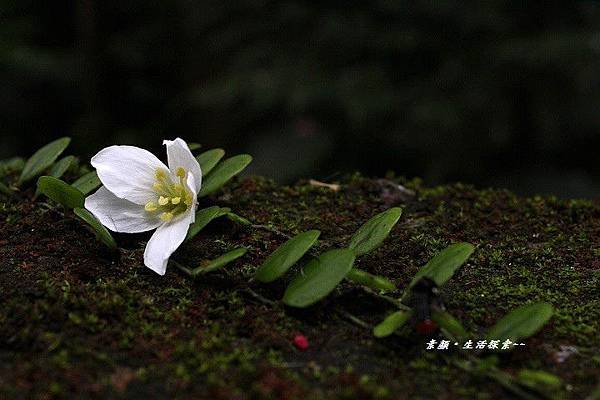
(492, 93)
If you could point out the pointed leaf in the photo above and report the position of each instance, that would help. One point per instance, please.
(194, 146)
(43, 158)
(319, 278)
(87, 183)
(209, 159)
(443, 265)
(58, 169)
(203, 217)
(238, 219)
(285, 256)
(539, 380)
(373, 281)
(374, 231)
(522, 322)
(61, 166)
(220, 261)
(101, 232)
(223, 173)
(61, 192)
(449, 323)
(392, 323)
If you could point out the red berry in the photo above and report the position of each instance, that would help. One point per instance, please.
(301, 342)
(426, 327)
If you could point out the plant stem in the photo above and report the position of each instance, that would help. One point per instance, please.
(260, 298)
(506, 380)
(389, 299)
(354, 319)
(271, 229)
(186, 270)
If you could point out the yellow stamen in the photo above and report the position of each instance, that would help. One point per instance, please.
(166, 216)
(174, 198)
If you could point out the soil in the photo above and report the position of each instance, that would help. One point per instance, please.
(77, 321)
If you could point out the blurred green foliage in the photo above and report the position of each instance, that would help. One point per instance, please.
(497, 92)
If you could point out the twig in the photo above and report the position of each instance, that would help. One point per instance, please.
(292, 365)
(332, 186)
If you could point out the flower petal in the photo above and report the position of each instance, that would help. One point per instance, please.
(179, 155)
(167, 238)
(190, 184)
(128, 171)
(120, 215)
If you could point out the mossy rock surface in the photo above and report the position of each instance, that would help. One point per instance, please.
(79, 322)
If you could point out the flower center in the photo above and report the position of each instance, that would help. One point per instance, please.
(172, 198)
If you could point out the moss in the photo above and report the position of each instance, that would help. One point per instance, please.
(76, 321)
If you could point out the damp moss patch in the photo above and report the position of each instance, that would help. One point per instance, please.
(79, 321)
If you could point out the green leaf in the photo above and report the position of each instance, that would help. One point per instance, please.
(223, 173)
(539, 380)
(101, 232)
(219, 261)
(203, 217)
(509, 383)
(58, 169)
(443, 265)
(209, 159)
(61, 192)
(61, 166)
(43, 158)
(522, 322)
(194, 146)
(87, 182)
(238, 219)
(392, 323)
(319, 278)
(285, 256)
(374, 231)
(449, 323)
(485, 364)
(373, 281)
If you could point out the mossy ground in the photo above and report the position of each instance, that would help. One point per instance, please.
(78, 321)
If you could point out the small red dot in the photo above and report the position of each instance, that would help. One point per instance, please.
(301, 342)
(426, 327)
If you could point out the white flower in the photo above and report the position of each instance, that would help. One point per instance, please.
(140, 193)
